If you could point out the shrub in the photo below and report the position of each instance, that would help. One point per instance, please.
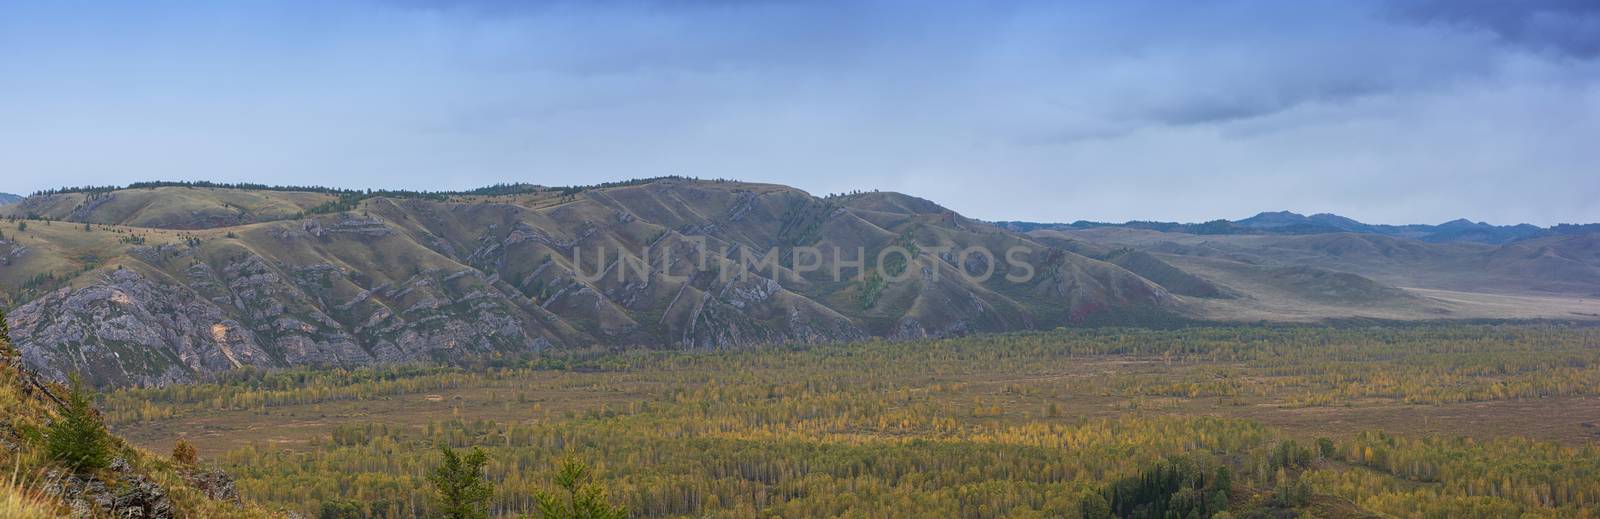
(183, 452)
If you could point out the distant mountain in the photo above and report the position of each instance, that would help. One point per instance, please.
(1289, 223)
(8, 198)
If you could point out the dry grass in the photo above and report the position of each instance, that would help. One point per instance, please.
(18, 503)
(23, 497)
(22, 494)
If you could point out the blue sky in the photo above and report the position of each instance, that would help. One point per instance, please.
(1389, 112)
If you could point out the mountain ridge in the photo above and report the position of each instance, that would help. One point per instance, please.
(169, 282)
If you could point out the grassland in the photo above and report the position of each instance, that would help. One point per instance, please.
(1409, 421)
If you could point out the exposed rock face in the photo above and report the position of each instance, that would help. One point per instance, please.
(126, 329)
(216, 484)
(673, 263)
(141, 498)
(130, 495)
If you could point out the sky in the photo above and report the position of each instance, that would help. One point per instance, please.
(1409, 111)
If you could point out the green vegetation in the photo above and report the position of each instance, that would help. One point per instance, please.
(1175, 487)
(870, 289)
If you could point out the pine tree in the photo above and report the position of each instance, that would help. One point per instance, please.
(77, 439)
(460, 491)
(1222, 484)
(584, 500)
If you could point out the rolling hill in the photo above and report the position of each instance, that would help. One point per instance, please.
(169, 207)
(166, 283)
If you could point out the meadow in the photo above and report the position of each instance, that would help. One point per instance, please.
(1357, 419)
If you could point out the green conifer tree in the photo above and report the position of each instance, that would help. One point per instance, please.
(76, 438)
(460, 491)
(583, 500)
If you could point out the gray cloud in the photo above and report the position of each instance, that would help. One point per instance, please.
(1020, 110)
(1566, 26)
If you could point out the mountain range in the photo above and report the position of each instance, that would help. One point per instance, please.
(166, 282)
(1289, 223)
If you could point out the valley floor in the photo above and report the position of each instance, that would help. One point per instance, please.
(1571, 420)
(1412, 420)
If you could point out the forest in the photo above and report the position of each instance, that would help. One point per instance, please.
(1321, 421)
